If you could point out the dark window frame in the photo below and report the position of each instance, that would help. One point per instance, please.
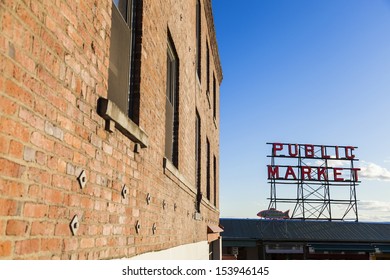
(198, 160)
(123, 79)
(121, 107)
(214, 97)
(172, 104)
(215, 181)
(198, 39)
(207, 67)
(208, 165)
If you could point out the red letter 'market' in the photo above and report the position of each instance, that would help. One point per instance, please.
(290, 171)
(336, 173)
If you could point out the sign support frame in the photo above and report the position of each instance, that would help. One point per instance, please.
(313, 200)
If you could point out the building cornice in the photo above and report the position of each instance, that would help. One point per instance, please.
(213, 38)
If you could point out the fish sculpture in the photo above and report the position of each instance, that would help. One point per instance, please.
(272, 213)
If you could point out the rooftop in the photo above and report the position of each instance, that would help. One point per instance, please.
(308, 231)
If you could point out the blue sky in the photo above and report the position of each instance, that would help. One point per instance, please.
(303, 71)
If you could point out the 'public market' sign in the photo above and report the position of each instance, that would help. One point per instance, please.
(322, 163)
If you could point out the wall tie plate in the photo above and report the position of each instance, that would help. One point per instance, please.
(138, 227)
(74, 225)
(82, 179)
(154, 228)
(148, 198)
(125, 191)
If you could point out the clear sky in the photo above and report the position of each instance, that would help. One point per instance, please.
(303, 71)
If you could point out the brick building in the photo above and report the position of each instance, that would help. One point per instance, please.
(109, 129)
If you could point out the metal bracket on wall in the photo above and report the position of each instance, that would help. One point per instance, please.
(74, 225)
(110, 126)
(82, 179)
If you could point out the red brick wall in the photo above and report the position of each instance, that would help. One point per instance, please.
(54, 58)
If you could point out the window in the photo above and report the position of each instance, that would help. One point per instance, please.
(215, 181)
(208, 68)
(208, 183)
(121, 108)
(198, 161)
(214, 98)
(121, 49)
(172, 105)
(198, 40)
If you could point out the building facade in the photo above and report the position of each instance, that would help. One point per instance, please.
(109, 130)
(289, 239)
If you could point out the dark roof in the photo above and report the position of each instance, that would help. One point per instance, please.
(308, 231)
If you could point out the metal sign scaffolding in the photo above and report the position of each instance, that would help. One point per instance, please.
(325, 180)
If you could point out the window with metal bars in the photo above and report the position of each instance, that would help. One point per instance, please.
(208, 165)
(198, 39)
(207, 67)
(214, 98)
(121, 53)
(198, 162)
(172, 105)
(215, 181)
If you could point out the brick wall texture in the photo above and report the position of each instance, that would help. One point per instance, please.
(54, 58)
